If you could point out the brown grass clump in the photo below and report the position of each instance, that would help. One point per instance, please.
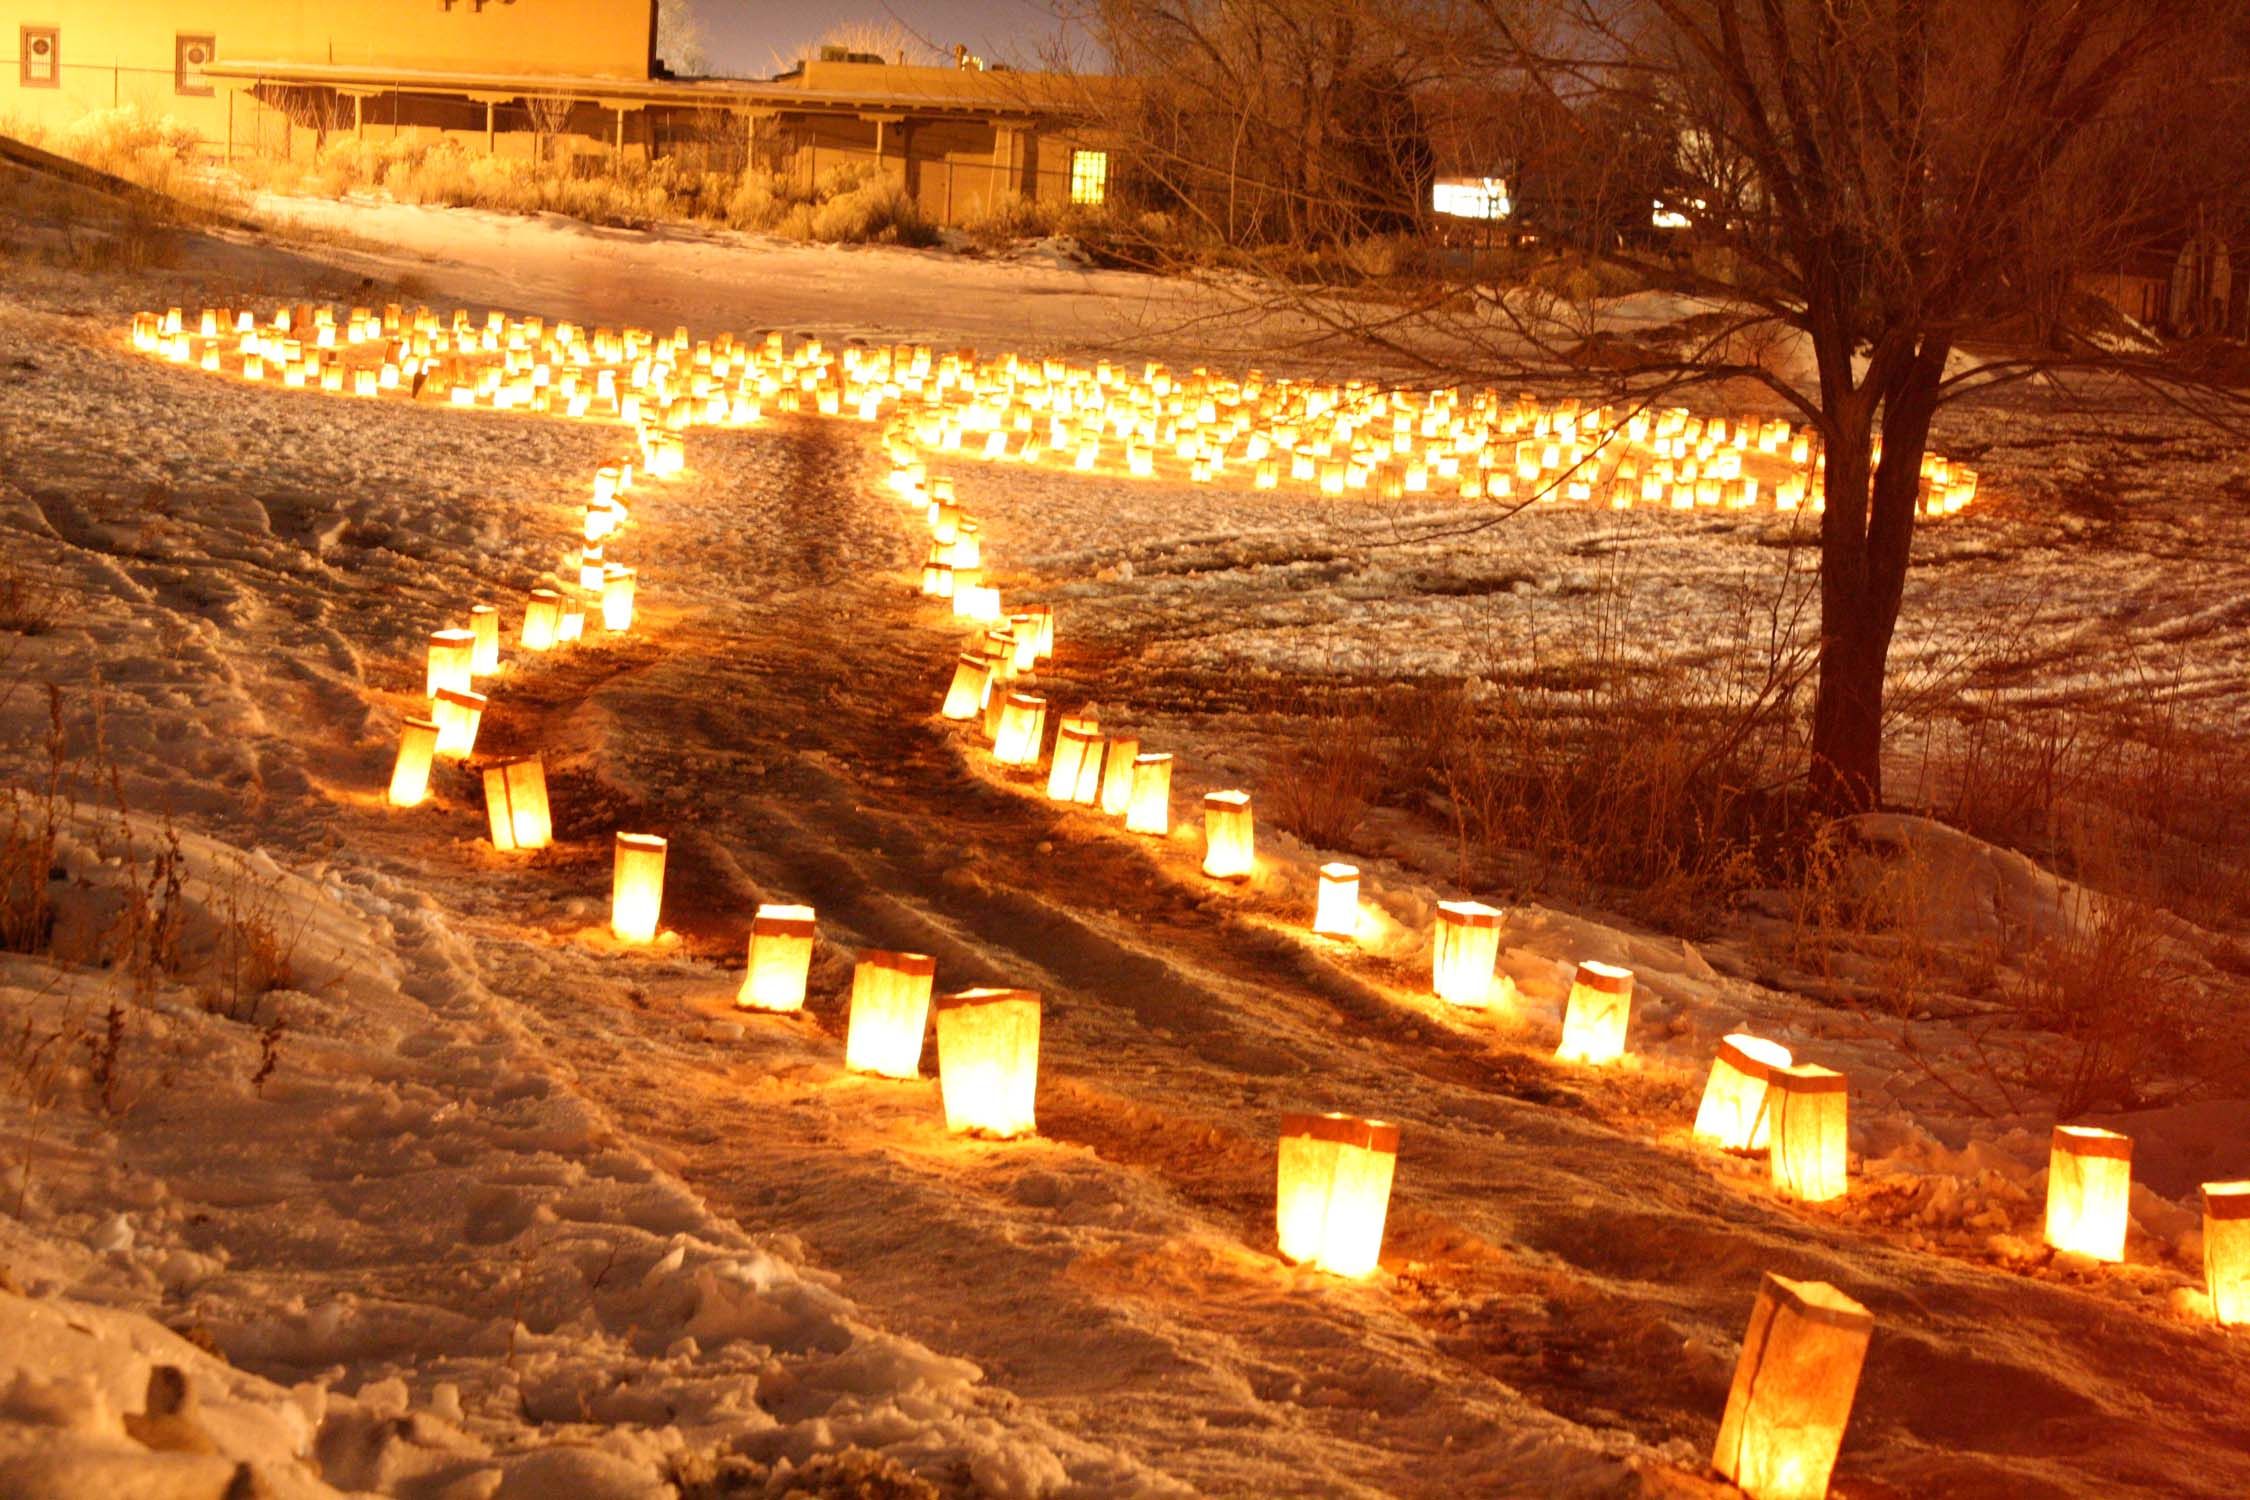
(96, 230)
(1572, 767)
(257, 944)
(160, 155)
(2057, 783)
(2115, 994)
(145, 937)
(29, 835)
(31, 602)
(1321, 786)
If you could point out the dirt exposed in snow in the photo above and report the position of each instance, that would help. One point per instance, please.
(517, 1212)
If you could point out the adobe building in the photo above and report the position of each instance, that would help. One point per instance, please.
(575, 78)
(2181, 285)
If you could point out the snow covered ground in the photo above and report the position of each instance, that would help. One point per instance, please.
(473, 1203)
(714, 279)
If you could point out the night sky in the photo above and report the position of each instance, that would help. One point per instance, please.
(744, 37)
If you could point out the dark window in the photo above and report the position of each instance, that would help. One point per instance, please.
(190, 56)
(40, 57)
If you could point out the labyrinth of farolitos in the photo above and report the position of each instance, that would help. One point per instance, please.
(1801, 1358)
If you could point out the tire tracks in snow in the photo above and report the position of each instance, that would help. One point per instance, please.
(1566, 1287)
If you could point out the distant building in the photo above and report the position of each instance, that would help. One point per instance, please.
(278, 78)
(2186, 289)
(1479, 199)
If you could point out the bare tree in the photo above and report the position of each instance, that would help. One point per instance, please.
(889, 39)
(549, 114)
(1875, 180)
(679, 37)
(322, 111)
(1274, 122)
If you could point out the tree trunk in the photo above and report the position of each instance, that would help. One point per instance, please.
(1867, 536)
(1847, 735)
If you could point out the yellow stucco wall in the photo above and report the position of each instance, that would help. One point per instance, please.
(116, 52)
(961, 141)
(598, 38)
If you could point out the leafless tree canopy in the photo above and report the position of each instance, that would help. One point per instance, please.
(885, 37)
(1278, 121)
(679, 39)
(1872, 181)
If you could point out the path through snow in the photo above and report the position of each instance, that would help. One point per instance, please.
(574, 1203)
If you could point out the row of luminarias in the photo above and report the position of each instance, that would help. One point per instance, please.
(1339, 439)
(1800, 1362)
(1798, 1372)
(1794, 1384)
(553, 618)
(988, 1039)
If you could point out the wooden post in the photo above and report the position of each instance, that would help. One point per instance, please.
(230, 127)
(489, 107)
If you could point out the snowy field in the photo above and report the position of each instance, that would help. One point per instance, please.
(473, 1203)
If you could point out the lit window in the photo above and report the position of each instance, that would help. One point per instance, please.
(41, 54)
(190, 56)
(1089, 176)
(1471, 198)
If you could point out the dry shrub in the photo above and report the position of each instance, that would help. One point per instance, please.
(850, 1473)
(2097, 998)
(1579, 279)
(31, 601)
(1320, 788)
(859, 205)
(2117, 997)
(97, 231)
(124, 242)
(125, 143)
(1114, 237)
(159, 154)
(58, 223)
(1001, 224)
(1869, 924)
(1386, 257)
(439, 170)
(1573, 765)
(38, 1064)
(853, 204)
(2138, 1010)
(2139, 800)
(757, 200)
(28, 840)
(27, 856)
(145, 937)
(135, 915)
(256, 943)
(2152, 789)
